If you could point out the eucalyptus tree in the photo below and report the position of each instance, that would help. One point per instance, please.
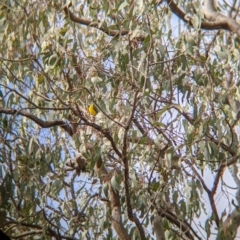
(164, 77)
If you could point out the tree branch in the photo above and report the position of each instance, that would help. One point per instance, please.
(131, 216)
(208, 191)
(40, 122)
(217, 20)
(116, 218)
(232, 222)
(87, 22)
(104, 132)
(184, 226)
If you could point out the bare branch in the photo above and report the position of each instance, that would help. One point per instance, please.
(90, 23)
(40, 122)
(217, 20)
(183, 225)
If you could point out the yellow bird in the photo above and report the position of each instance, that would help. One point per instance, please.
(92, 110)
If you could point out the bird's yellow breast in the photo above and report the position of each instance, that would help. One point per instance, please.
(92, 110)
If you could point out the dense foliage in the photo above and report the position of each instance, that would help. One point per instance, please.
(164, 78)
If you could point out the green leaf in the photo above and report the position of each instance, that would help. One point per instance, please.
(195, 21)
(52, 61)
(105, 189)
(208, 228)
(123, 5)
(5, 122)
(115, 182)
(155, 185)
(175, 197)
(147, 40)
